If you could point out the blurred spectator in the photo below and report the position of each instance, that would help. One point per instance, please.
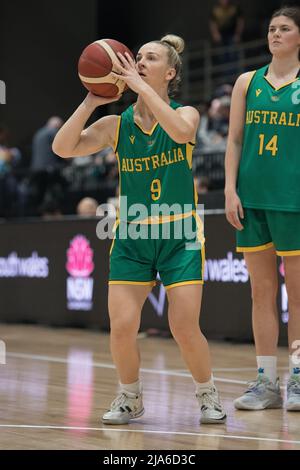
(226, 23)
(114, 202)
(87, 207)
(223, 116)
(226, 26)
(213, 129)
(223, 90)
(10, 157)
(43, 157)
(202, 184)
(50, 208)
(107, 163)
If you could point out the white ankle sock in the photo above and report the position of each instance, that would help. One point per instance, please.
(202, 387)
(267, 365)
(135, 387)
(293, 366)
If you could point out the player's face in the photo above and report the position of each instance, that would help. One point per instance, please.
(152, 64)
(283, 36)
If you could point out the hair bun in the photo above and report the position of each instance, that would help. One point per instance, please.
(175, 41)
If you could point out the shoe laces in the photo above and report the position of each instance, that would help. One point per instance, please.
(253, 387)
(121, 402)
(209, 400)
(294, 385)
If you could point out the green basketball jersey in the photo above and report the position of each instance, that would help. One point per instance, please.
(269, 172)
(153, 170)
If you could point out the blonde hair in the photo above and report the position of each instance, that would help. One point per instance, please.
(175, 47)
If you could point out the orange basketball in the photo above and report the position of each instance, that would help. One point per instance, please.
(96, 64)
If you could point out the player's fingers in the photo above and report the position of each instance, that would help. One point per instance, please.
(241, 211)
(230, 219)
(130, 59)
(119, 68)
(123, 59)
(118, 76)
(237, 222)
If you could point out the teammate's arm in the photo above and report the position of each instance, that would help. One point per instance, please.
(233, 207)
(72, 140)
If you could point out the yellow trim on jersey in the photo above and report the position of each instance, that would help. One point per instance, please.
(281, 86)
(120, 182)
(134, 283)
(249, 82)
(184, 283)
(200, 229)
(114, 229)
(195, 194)
(246, 249)
(162, 219)
(203, 261)
(143, 130)
(189, 154)
(288, 253)
(117, 134)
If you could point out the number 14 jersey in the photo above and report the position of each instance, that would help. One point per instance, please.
(269, 171)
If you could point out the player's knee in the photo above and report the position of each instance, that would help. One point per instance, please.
(124, 326)
(182, 330)
(264, 290)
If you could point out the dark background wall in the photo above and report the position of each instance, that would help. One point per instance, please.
(40, 43)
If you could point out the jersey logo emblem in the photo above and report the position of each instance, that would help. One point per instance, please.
(132, 139)
(275, 98)
(258, 92)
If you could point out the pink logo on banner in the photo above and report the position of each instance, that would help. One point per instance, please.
(80, 257)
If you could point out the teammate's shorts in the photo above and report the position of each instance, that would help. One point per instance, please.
(177, 255)
(266, 228)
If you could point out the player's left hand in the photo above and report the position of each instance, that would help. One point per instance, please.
(128, 73)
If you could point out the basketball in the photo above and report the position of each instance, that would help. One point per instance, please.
(96, 64)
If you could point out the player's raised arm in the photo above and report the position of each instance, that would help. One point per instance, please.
(72, 140)
(95, 69)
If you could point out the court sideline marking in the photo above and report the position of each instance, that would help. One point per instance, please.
(102, 365)
(150, 431)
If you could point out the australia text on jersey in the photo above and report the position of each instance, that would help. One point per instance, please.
(152, 162)
(273, 118)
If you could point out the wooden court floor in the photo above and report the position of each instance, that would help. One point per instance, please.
(56, 384)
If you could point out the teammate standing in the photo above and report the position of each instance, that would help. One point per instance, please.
(263, 201)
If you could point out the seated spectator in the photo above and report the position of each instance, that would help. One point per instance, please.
(223, 90)
(87, 207)
(50, 209)
(213, 128)
(43, 157)
(202, 184)
(10, 156)
(114, 202)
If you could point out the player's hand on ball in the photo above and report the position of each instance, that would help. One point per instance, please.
(128, 73)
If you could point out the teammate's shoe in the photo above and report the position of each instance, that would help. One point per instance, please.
(212, 411)
(293, 393)
(125, 407)
(260, 394)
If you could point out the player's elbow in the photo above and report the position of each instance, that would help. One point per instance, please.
(185, 136)
(59, 150)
